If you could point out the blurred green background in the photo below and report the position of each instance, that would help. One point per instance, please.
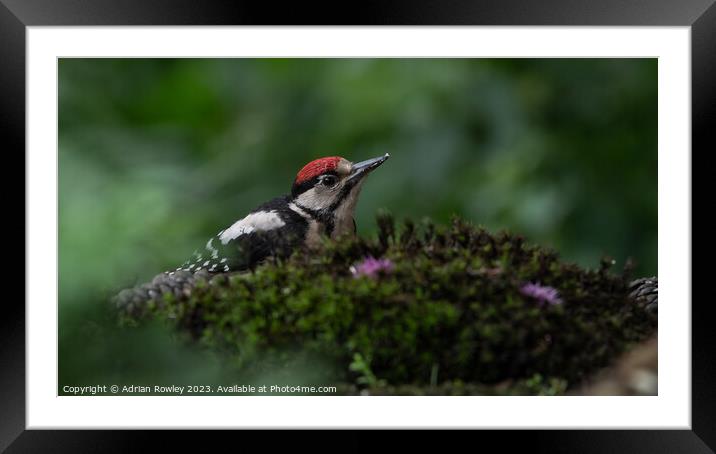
(157, 155)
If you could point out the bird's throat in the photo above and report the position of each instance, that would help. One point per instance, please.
(343, 223)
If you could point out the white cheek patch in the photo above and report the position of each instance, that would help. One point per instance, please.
(262, 220)
(314, 200)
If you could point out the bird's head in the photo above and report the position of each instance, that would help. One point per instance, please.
(332, 184)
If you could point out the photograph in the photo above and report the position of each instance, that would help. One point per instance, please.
(458, 217)
(357, 226)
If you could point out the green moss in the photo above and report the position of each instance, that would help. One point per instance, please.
(449, 318)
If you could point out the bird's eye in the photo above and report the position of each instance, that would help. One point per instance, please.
(329, 180)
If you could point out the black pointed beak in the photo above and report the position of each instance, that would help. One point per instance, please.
(363, 168)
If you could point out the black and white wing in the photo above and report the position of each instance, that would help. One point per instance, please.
(271, 230)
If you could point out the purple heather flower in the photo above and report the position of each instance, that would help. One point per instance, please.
(543, 293)
(371, 266)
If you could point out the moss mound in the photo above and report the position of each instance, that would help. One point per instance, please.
(449, 315)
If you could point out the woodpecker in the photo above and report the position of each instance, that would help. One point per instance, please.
(322, 201)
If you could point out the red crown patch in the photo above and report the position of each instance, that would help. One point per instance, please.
(317, 167)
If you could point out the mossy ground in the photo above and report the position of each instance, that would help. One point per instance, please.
(449, 318)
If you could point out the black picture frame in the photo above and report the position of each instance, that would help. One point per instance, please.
(700, 15)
